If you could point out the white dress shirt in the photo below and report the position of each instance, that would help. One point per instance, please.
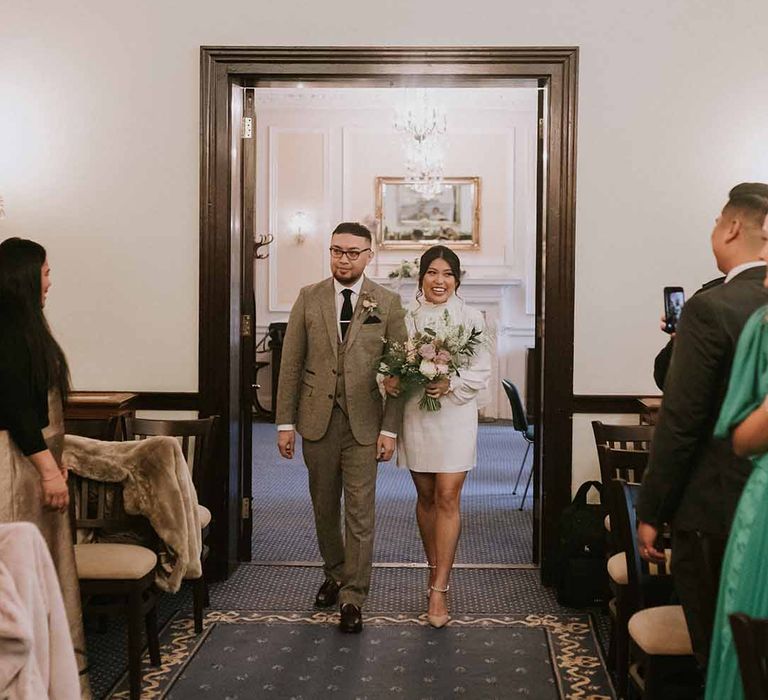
(339, 287)
(741, 268)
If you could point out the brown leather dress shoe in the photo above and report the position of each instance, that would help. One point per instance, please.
(328, 594)
(351, 618)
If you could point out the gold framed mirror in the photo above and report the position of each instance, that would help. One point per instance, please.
(406, 219)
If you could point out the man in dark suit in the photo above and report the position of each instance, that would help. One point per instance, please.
(693, 480)
(661, 363)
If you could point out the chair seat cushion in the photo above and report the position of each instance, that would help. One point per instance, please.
(101, 560)
(617, 569)
(661, 631)
(205, 516)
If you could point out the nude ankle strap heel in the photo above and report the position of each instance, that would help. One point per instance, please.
(438, 621)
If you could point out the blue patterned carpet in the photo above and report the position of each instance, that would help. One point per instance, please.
(252, 654)
(283, 661)
(494, 530)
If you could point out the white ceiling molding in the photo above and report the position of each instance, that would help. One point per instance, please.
(513, 98)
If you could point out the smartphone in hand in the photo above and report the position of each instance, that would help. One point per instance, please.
(674, 299)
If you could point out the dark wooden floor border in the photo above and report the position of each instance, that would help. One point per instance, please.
(608, 403)
(553, 67)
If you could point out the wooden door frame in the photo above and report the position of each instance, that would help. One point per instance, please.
(557, 67)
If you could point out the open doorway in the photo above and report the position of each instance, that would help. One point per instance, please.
(325, 154)
(224, 363)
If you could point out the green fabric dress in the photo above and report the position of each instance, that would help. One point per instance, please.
(744, 578)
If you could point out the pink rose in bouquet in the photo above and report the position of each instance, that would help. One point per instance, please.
(428, 351)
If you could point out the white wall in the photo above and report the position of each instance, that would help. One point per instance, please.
(99, 106)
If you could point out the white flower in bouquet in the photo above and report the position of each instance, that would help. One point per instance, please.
(428, 369)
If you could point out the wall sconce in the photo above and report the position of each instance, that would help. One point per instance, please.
(299, 226)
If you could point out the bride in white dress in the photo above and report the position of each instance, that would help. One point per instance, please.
(440, 447)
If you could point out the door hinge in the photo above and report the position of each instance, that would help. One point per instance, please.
(245, 509)
(541, 127)
(245, 326)
(247, 127)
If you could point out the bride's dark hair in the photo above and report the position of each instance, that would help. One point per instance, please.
(432, 254)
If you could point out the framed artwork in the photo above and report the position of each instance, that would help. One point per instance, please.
(407, 219)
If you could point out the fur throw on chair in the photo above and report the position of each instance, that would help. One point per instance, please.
(157, 484)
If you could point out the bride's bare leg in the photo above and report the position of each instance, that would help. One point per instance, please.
(425, 516)
(447, 528)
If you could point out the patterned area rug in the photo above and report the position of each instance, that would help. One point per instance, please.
(247, 654)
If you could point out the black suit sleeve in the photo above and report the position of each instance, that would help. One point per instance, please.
(19, 412)
(700, 355)
(661, 364)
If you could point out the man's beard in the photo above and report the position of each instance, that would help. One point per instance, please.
(347, 280)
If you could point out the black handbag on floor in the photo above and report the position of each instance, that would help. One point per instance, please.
(581, 574)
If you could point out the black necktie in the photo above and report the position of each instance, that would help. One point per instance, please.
(346, 312)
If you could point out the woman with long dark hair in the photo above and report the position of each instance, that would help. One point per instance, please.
(34, 380)
(440, 447)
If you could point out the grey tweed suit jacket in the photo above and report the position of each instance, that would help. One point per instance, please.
(307, 386)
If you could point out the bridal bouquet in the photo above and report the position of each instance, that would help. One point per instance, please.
(429, 355)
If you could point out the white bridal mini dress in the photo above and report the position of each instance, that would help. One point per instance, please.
(445, 440)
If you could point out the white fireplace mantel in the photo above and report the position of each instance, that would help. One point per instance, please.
(475, 290)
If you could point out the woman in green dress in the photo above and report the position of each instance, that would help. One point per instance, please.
(744, 577)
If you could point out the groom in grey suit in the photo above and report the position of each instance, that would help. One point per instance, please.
(328, 393)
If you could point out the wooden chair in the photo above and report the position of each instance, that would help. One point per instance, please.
(658, 632)
(527, 431)
(624, 437)
(629, 446)
(116, 578)
(195, 436)
(750, 637)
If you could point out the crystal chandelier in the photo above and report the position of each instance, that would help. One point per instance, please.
(423, 126)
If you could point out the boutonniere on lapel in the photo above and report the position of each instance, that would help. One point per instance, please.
(369, 306)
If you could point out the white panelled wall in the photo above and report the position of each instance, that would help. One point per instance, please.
(319, 152)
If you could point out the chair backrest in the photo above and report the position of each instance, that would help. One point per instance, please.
(99, 505)
(644, 579)
(623, 437)
(617, 463)
(519, 420)
(95, 428)
(750, 637)
(195, 436)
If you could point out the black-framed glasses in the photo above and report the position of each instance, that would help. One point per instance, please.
(352, 255)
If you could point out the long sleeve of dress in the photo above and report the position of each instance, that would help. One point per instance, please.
(472, 380)
(20, 408)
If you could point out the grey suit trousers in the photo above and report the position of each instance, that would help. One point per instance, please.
(338, 463)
